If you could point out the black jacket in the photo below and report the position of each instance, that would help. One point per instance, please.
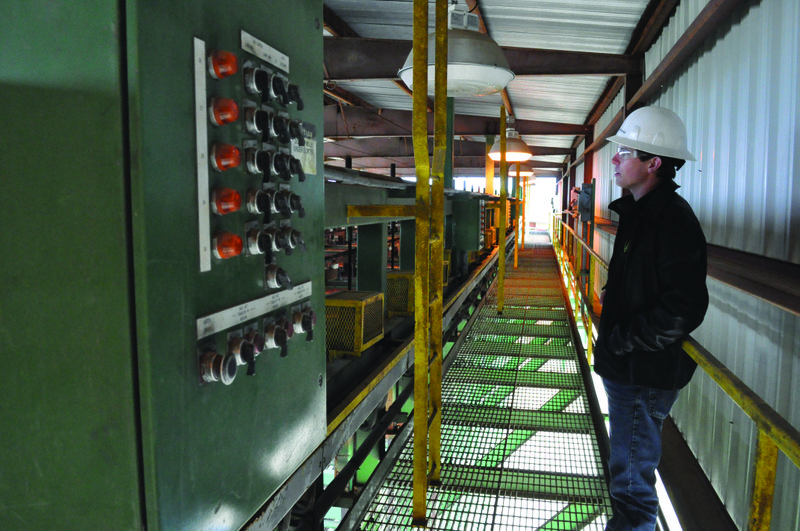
(656, 292)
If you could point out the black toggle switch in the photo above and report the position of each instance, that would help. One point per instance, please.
(296, 132)
(277, 89)
(281, 166)
(296, 205)
(259, 201)
(294, 96)
(256, 80)
(256, 121)
(279, 129)
(296, 239)
(276, 337)
(283, 202)
(304, 322)
(296, 168)
(276, 277)
(257, 160)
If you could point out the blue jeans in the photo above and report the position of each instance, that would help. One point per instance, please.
(636, 415)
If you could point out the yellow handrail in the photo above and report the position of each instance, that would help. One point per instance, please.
(774, 431)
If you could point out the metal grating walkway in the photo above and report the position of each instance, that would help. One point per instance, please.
(519, 450)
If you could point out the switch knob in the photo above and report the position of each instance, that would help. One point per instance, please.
(256, 160)
(296, 168)
(283, 202)
(259, 201)
(296, 132)
(304, 322)
(256, 80)
(279, 129)
(258, 241)
(216, 368)
(276, 277)
(256, 339)
(276, 337)
(281, 166)
(294, 239)
(277, 89)
(296, 205)
(294, 96)
(256, 121)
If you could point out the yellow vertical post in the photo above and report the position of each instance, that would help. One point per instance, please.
(489, 165)
(764, 483)
(501, 239)
(437, 244)
(524, 207)
(419, 129)
(516, 225)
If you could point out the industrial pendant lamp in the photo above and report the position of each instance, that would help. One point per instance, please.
(476, 65)
(516, 149)
(525, 170)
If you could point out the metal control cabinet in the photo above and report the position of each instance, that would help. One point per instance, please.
(115, 426)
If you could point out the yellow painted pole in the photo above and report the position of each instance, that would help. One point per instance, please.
(516, 225)
(524, 207)
(764, 483)
(501, 243)
(437, 244)
(489, 165)
(419, 129)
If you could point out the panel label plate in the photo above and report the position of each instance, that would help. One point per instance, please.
(222, 320)
(264, 52)
(203, 207)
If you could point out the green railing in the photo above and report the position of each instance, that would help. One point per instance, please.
(774, 432)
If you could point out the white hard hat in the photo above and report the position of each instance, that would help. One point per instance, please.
(655, 130)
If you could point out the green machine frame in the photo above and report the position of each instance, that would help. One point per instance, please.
(107, 310)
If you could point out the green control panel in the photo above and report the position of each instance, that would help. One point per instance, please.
(164, 292)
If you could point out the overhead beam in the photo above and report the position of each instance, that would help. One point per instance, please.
(711, 17)
(345, 122)
(408, 162)
(353, 59)
(400, 147)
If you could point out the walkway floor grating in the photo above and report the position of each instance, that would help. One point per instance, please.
(519, 450)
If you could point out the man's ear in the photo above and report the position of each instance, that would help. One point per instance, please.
(654, 164)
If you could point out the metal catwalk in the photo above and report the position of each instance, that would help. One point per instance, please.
(519, 448)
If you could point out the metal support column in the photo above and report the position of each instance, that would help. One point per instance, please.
(501, 240)
(422, 263)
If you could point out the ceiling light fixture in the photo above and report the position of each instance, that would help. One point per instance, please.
(476, 65)
(516, 149)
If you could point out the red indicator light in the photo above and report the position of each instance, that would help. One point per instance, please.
(223, 111)
(227, 245)
(222, 64)
(225, 156)
(225, 200)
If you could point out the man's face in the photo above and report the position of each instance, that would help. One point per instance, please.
(630, 172)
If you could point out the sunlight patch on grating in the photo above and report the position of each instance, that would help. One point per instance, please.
(519, 451)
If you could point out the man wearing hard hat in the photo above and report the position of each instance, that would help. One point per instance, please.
(654, 298)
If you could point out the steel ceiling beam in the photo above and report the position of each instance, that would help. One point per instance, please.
(353, 59)
(399, 147)
(345, 122)
(458, 162)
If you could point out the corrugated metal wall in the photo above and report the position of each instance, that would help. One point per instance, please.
(740, 100)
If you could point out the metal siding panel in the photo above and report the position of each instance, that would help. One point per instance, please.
(747, 160)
